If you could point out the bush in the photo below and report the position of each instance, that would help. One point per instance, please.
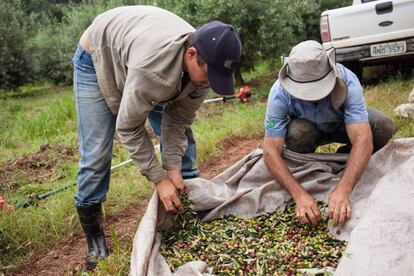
(38, 38)
(311, 20)
(15, 61)
(55, 42)
(267, 28)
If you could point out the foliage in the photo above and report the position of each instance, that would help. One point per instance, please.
(15, 61)
(311, 20)
(49, 30)
(267, 28)
(45, 8)
(56, 40)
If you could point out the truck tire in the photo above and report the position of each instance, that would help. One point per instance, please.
(356, 67)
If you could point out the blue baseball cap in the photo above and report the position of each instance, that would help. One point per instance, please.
(219, 46)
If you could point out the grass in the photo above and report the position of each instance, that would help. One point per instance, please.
(236, 120)
(40, 227)
(117, 263)
(386, 96)
(29, 122)
(49, 117)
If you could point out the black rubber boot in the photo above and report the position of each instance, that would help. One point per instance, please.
(91, 219)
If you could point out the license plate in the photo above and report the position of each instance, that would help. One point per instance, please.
(386, 49)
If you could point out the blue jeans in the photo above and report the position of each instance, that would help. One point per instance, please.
(188, 169)
(96, 130)
(303, 136)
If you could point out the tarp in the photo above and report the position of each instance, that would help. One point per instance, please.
(380, 233)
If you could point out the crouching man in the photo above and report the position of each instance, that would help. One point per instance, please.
(316, 101)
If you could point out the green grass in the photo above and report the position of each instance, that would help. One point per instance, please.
(117, 263)
(49, 117)
(386, 96)
(235, 119)
(29, 122)
(261, 69)
(42, 226)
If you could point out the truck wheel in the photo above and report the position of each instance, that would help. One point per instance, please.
(356, 67)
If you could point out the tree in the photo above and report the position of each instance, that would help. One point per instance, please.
(267, 28)
(38, 38)
(15, 61)
(55, 42)
(312, 19)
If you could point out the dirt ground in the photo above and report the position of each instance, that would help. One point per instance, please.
(68, 256)
(39, 167)
(235, 149)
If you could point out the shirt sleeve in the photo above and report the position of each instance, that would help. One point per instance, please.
(277, 118)
(178, 116)
(133, 111)
(355, 110)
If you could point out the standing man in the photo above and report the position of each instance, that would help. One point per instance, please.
(127, 62)
(316, 101)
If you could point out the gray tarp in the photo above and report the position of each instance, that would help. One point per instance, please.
(380, 233)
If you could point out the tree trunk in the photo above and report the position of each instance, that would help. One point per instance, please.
(238, 76)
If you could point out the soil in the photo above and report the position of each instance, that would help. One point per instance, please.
(68, 256)
(39, 167)
(235, 149)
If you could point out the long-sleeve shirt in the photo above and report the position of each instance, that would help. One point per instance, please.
(137, 53)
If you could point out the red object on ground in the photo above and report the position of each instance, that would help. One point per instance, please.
(244, 94)
(1, 202)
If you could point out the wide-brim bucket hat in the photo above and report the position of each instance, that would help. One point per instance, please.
(311, 73)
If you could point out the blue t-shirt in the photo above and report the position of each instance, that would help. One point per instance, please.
(281, 106)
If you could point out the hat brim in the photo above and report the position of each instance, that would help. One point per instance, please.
(311, 91)
(219, 83)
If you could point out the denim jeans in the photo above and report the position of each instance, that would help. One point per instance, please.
(96, 130)
(303, 136)
(188, 169)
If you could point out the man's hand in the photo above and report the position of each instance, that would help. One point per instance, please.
(168, 194)
(306, 209)
(339, 206)
(177, 180)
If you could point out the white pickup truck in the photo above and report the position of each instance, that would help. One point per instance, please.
(370, 32)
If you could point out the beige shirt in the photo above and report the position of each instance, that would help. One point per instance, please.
(137, 53)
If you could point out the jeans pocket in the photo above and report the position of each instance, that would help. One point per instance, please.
(82, 61)
(83, 66)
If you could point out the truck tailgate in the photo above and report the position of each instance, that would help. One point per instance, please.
(371, 22)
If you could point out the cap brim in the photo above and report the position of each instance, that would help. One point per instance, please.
(311, 91)
(219, 83)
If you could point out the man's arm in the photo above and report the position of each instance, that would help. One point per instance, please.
(176, 118)
(133, 112)
(306, 208)
(339, 207)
